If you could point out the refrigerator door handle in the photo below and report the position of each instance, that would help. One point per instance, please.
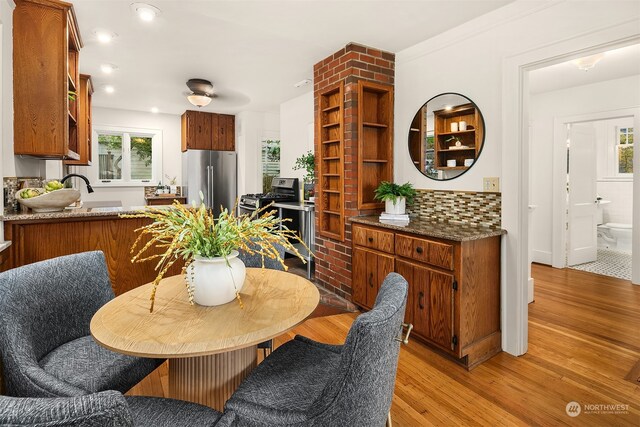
(207, 200)
(212, 192)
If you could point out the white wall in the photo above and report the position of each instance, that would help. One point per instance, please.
(171, 154)
(11, 165)
(544, 108)
(296, 133)
(251, 128)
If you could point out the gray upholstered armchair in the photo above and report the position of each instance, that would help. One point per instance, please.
(45, 344)
(107, 408)
(306, 383)
(255, 260)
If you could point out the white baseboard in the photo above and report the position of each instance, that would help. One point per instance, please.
(530, 290)
(542, 257)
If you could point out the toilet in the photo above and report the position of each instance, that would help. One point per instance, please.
(616, 236)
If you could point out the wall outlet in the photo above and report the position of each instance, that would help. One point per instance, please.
(491, 184)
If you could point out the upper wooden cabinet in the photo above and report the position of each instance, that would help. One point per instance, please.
(46, 45)
(84, 129)
(208, 131)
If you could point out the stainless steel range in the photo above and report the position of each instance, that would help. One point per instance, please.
(282, 190)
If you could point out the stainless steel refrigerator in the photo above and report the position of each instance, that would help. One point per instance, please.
(212, 172)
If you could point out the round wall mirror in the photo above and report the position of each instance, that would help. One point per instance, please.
(446, 136)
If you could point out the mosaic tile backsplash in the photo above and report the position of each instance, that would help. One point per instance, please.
(476, 208)
(11, 184)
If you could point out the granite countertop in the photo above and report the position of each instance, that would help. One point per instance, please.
(83, 212)
(458, 232)
(165, 197)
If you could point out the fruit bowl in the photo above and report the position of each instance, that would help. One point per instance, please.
(54, 201)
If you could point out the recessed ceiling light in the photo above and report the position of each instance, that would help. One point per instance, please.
(448, 107)
(108, 68)
(155, 110)
(588, 62)
(145, 12)
(302, 83)
(104, 36)
(109, 89)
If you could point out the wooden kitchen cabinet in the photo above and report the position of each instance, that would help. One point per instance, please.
(454, 287)
(84, 125)
(46, 46)
(207, 131)
(196, 131)
(224, 138)
(370, 269)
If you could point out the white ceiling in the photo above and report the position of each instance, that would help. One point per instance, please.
(252, 51)
(615, 64)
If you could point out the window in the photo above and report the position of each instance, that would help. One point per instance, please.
(127, 156)
(624, 151)
(270, 162)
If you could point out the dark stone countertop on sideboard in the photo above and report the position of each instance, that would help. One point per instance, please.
(458, 232)
(77, 213)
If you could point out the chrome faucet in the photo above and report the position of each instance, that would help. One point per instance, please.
(82, 177)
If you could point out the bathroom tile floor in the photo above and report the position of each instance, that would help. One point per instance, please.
(609, 263)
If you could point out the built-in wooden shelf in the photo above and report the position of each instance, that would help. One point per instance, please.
(331, 108)
(375, 141)
(330, 200)
(374, 125)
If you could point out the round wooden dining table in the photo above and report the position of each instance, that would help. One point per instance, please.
(210, 349)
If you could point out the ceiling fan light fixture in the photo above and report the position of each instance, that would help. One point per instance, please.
(199, 100)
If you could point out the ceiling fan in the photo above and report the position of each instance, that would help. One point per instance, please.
(201, 92)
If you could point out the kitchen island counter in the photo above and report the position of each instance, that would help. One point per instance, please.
(40, 236)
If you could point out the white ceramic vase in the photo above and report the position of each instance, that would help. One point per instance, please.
(214, 281)
(397, 208)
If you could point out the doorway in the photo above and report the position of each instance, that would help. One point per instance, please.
(580, 164)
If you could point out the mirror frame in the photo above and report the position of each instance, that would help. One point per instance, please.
(482, 142)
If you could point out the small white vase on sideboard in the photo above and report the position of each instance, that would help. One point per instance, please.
(397, 208)
(214, 281)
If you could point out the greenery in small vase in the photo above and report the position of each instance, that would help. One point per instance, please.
(307, 162)
(71, 95)
(182, 233)
(391, 191)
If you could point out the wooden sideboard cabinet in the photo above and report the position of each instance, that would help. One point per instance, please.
(454, 287)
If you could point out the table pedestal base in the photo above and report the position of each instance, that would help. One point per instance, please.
(210, 380)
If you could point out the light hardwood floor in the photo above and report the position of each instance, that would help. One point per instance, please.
(584, 339)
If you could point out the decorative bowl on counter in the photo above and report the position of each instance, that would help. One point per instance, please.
(53, 201)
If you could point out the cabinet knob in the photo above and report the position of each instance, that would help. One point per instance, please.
(419, 249)
(421, 300)
(371, 280)
(370, 239)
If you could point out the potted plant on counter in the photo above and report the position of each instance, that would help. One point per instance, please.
(395, 196)
(209, 247)
(307, 162)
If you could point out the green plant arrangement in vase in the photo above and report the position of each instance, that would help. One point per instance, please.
(307, 162)
(395, 196)
(209, 247)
